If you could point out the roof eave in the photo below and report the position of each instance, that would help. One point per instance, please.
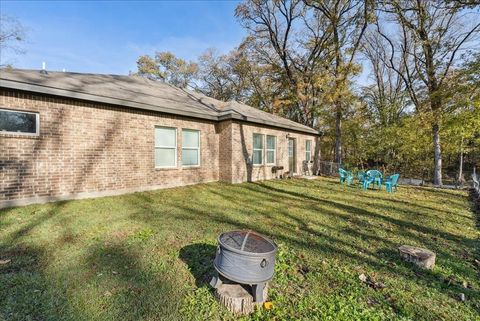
(10, 84)
(99, 99)
(236, 116)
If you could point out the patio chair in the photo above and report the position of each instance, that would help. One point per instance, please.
(391, 182)
(361, 178)
(373, 176)
(345, 176)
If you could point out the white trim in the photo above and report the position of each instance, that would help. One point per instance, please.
(164, 147)
(269, 150)
(257, 149)
(37, 123)
(192, 148)
(309, 151)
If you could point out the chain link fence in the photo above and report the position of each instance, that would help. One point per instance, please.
(328, 168)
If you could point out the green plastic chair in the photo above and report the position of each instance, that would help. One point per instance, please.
(391, 182)
(345, 176)
(373, 176)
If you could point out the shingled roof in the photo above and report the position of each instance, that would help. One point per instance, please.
(140, 93)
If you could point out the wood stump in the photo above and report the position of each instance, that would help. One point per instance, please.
(421, 257)
(237, 298)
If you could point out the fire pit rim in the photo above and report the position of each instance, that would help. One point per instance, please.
(246, 253)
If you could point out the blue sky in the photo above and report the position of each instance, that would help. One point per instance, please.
(108, 37)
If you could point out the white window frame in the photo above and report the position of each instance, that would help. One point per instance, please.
(308, 151)
(269, 150)
(256, 149)
(192, 148)
(165, 147)
(37, 123)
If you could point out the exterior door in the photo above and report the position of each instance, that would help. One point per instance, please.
(292, 156)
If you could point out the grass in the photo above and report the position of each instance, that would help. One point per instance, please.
(148, 255)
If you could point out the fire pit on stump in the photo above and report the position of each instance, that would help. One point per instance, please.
(245, 257)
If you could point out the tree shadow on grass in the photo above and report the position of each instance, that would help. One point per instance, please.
(134, 289)
(26, 291)
(199, 259)
(252, 206)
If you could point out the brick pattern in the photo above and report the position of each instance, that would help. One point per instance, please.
(242, 142)
(89, 148)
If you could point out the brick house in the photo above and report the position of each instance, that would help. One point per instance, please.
(72, 135)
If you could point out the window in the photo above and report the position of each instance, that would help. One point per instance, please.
(190, 147)
(165, 147)
(257, 149)
(271, 149)
(19, 122)
(308, 150)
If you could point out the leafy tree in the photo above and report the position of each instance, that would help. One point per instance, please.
(462, 126)
(346, 22)
(289, 43)
(431, 37)
(167, 67)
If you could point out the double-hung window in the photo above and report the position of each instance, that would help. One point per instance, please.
(271, 149)
(258, 149)
(190, 147)
(165, 147)
(308, 150)
(19, 122)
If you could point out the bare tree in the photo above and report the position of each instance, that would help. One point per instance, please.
(386, 99)
(432, 35)
(12, 34)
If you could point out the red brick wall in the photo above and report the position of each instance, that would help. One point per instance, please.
(89, 149)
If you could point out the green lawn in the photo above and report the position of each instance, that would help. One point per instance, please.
(148, 255)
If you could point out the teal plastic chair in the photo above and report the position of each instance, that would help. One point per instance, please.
(345, 176)
(373, 177)
(361, 177)
(391, 182)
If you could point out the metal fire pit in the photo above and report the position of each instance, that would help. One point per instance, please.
(245, 257)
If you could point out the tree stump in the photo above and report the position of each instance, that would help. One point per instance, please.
(237, 298)
(421, 257)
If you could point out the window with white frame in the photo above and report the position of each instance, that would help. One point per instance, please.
(271, 149)
(19, 122)
(190, 147)
(258, 149)
(308, 150)
(165, 147)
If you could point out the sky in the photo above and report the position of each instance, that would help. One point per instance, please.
(108, 37)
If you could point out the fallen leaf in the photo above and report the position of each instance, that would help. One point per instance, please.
(5, 261)
(362, 277)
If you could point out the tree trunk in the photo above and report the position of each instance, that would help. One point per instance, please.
(437, 149)
(461, 179)
(338, 134)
